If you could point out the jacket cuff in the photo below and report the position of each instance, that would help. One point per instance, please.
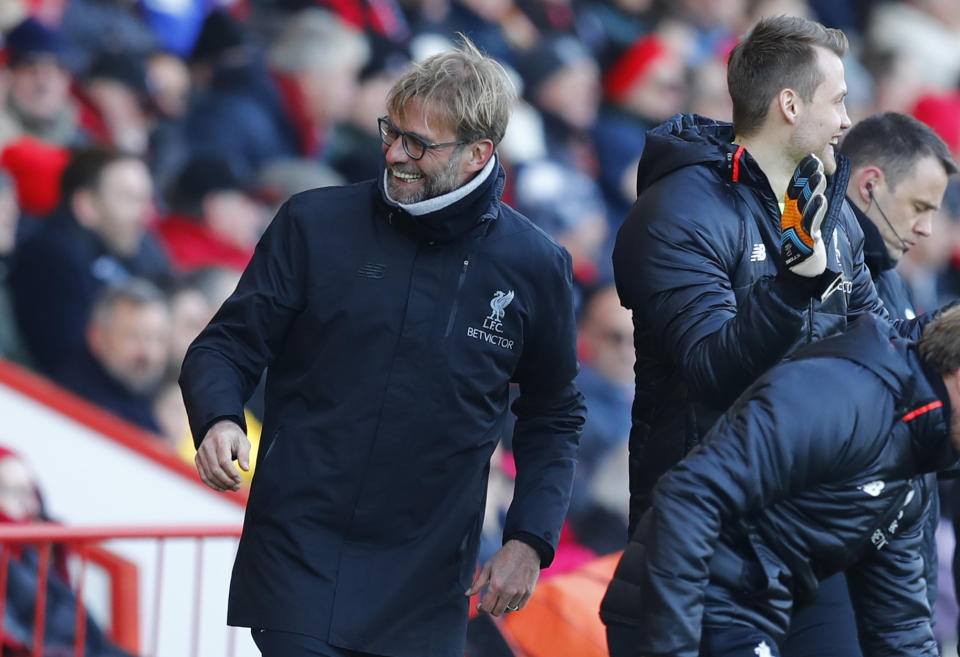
(543, 549)
(240, 420)
(797, 290)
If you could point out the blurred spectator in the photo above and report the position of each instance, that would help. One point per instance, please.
(354, 149)
(498, 27)
(555, 71)
(647, 82)
(606, 379)
(384, 20)
(644, 86)
(927, 31)
(714, 26)
(20, 502)
(168, 86)
(96, 237)
(12, 346)
(316, 62)
(235, 108)
(942, 113)
(127, 352)
(608, 27)
(569, 207)
(114, 102)
(214, 222)
(93, 26)
(708, 91)
(281, 179)
(168, 82)
(190, 310)
(896, 82)
(38, 98)
(252, 119)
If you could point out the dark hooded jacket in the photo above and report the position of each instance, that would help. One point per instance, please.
(697, 260)
(390, 342)
(818, 468)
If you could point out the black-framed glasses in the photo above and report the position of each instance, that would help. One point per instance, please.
(413, 145)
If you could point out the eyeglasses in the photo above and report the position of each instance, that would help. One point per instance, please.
(413, 145)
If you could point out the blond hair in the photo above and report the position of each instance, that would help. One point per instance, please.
(469, 90)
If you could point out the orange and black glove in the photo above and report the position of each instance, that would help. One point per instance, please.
(805, 206)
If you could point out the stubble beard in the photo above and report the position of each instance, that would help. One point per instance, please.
(435, 184)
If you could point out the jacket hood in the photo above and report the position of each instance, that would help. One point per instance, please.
(682, 141)
(922, 398)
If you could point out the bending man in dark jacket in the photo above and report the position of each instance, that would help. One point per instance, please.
(818, 468)
(393, 315)
(719, 292)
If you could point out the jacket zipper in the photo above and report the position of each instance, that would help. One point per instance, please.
(456, 297)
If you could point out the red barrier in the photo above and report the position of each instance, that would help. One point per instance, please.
(124, 578)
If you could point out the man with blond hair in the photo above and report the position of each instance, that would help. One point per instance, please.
(392, 316)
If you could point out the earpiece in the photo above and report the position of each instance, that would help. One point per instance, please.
(870, 187)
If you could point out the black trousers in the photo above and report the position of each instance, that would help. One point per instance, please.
(290, 644)
(825, 628)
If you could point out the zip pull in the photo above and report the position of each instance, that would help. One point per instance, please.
(456, 295)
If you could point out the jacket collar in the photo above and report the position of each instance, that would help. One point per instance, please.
(690, 139)
(452, 220)
(875, 251)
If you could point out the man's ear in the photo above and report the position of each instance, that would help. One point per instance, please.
(478, 154)
(867, 180)
(789, 105)
(82, 205)
(94, 335)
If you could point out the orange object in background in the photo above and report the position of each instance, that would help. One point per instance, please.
(562, 619)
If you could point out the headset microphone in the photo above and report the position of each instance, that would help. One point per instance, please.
(884, 215)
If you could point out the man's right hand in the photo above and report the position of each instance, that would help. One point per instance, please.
(805, 206)
(224, 442)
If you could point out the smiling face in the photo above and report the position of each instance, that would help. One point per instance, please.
(823, 119)
(439, 171)
(909, 206)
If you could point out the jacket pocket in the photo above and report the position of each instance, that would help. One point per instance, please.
(468, 550)
(456, 298)
(264, 479)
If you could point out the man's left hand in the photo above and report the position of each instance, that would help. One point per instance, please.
(510, 577)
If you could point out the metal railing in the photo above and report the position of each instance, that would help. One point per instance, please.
(82, 543)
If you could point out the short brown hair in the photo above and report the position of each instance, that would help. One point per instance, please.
(472, 92)
(939, 346)
(777, 53)
(895, 143)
